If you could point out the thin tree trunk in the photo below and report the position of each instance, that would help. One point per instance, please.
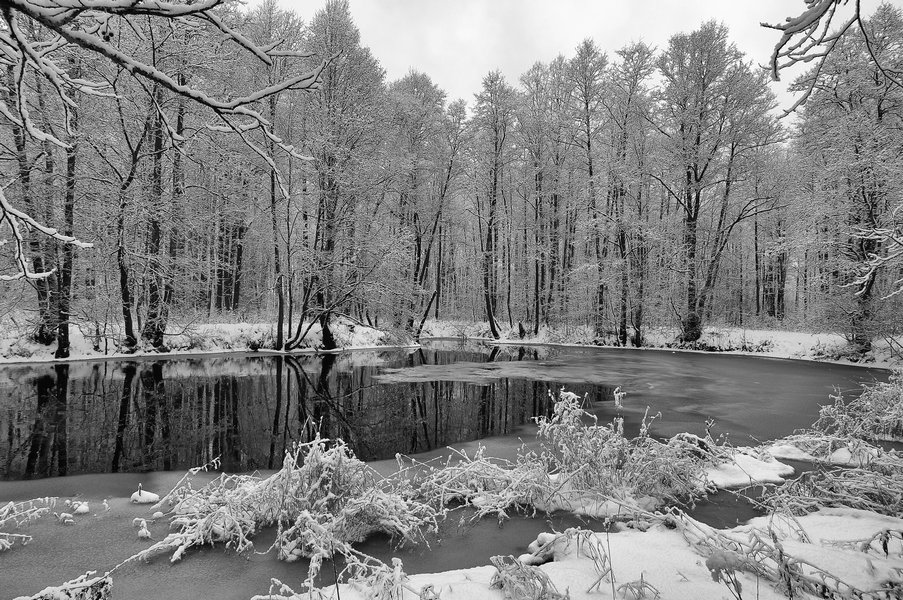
(64, 290)
(45, 330)
(154, 323)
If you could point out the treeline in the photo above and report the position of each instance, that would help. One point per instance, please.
(613, 190)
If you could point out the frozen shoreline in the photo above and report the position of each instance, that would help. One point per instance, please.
(766, 343)
(203, 340)
(236, 339)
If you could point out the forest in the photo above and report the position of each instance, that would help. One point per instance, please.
(616, 189)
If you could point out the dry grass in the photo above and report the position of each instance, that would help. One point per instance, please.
(522, 582)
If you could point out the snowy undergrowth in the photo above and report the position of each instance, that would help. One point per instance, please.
(877, 414)
(321, 501)
(84, 587)
(581, 466)
(15, 515)
(16, 345)
(830, 554)
(876, 487)
(819, 346)
(852, 471)
(826, 554)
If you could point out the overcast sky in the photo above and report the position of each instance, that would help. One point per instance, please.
(457, 42)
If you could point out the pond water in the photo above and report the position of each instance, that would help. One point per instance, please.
(96, 429)
(172, 414)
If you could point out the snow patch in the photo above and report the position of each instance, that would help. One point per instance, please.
(745, 469)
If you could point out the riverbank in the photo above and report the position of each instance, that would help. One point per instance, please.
(196, 339)
(224, 338)
(886, 353)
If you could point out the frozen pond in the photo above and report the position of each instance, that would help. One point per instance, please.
(172, 414)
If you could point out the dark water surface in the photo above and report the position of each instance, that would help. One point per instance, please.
(172, 414)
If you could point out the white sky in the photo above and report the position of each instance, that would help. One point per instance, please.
(457, 42)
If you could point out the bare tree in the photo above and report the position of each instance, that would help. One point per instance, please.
(93, 26)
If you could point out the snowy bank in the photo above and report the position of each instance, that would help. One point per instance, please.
(670, 556)
(193, 339)
(823, 347)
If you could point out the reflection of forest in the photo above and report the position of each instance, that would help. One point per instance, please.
(174, 414)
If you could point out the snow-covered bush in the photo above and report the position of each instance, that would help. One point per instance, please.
(601, 460)
(877, 414)
(321, 501)
(875, 486)
(582, 467)
(492, 486)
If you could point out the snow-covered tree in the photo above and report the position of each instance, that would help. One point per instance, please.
(37, 35)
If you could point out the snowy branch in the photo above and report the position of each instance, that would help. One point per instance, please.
(808, 38)
(91, 25)
(892, 241)
(16, 219)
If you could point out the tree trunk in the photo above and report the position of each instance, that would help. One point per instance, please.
(277, 263)
(692, 323)
(130, 341)
(64, 282)
(155, 320)
(45, 329)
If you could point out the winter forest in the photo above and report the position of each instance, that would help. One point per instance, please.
(275, 325)
(613, 190)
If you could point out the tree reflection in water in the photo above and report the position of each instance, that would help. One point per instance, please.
(141, 415)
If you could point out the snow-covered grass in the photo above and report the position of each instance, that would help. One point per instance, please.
(844, 434)
(877, 414)
(818, 346)
(583, 467)
(832, 553)
(84, 587)
(846, 431)
(15, 515)
(205, 338)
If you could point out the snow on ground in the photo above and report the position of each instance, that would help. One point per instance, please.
(213, 338)
(207, 338)
(746, 469)
(827, 347)
(660, 556)
(846, 543)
